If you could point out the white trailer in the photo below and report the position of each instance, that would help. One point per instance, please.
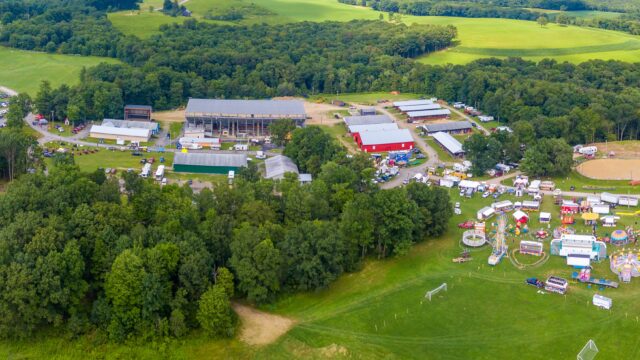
(146, 170)
(609, 198)
(602, 301)
(160, 173)
(588, 150)
(534, 187)
(628, 201)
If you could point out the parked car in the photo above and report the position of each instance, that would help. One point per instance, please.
(107, 171)
(535, 282)
(486, 194)
(469, 224)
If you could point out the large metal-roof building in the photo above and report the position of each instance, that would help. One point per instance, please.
(353, 129)
(454, 127)
(241, 117)
(412, 102)
(429, 114)
(116, 133)
(449, 143)
(367, 120)
(205, 163)
(137, 112)
(408, 108)
(153, 126)
(390, 140)
(277, 166)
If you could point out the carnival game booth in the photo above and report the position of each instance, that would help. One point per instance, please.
(590, 218)
(531, 247)
(619, 238)
(609, 220)
(502, 206)
(485, 213)
(579, 250)
(520, 217)
(545, 217)
(569, 207)
(528, 205)
(601, 209)
(556, 284)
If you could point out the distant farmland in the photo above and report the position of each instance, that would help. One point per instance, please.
(24, 70)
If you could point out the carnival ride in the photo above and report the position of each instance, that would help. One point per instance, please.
(626, 264)
(499, 243)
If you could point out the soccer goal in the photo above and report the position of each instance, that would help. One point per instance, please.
(589, 351)
(430, 293)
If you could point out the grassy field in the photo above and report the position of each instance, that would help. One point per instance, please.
(478, 38)
(380, 312)
(442, 154)
(23, 71)
(366, 98)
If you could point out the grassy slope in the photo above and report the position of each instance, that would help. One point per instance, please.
(24, 70)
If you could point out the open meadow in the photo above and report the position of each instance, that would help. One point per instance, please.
(23, 71)
(478, 38)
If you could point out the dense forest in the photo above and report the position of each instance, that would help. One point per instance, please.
(81, 252)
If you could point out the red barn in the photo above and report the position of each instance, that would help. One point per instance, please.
(390, 140)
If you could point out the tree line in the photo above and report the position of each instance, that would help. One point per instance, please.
(81, 254)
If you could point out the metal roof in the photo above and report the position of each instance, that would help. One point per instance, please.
(424, 113)
(412, 102)
(373, 127)
(246, 107)
(278, 165)
(191, 140)
(141, 107)
(367, 120)
(130, 124)
(204, 159)
(450, 126)
(110, 130)
(386, 137)
(449, 142)
(419, 107)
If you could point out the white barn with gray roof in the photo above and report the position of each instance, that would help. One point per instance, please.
(455, 127)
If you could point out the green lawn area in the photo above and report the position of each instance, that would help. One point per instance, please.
(23, 71)
(489, 124)
(442, 154)
(585, 184)
(339, 132)
(142, 24)
(365, 98)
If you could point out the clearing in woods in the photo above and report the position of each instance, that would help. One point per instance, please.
(261, 328)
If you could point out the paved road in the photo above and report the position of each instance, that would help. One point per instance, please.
(409, 172)
(8, 91)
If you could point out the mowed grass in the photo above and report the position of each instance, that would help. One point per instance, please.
(23, 71)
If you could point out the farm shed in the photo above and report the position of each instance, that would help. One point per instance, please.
(154, 127)
(423, 107)
(277, 166)
(429, 114)
(204, 163)
(389, 140)
(354, 129)
(115, 133)
(412, 103)
(455, 127)
(241, 117)
(137, 112)
(367, 111)
(449, 143)
(367, 120)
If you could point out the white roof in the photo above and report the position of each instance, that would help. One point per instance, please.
(278, 165)
(423, 113)
(386, 137)
(486, 210)
(109, 130)
(449, 142)
(528, 203)
(519, 214)
(257, 108)
(367, 120)
(501, 204)
(190, 140)
(372, 127)
(131, 124)
(577, 260)
(412, 103)
(545, 215)
(468, 184)
(419, 107)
